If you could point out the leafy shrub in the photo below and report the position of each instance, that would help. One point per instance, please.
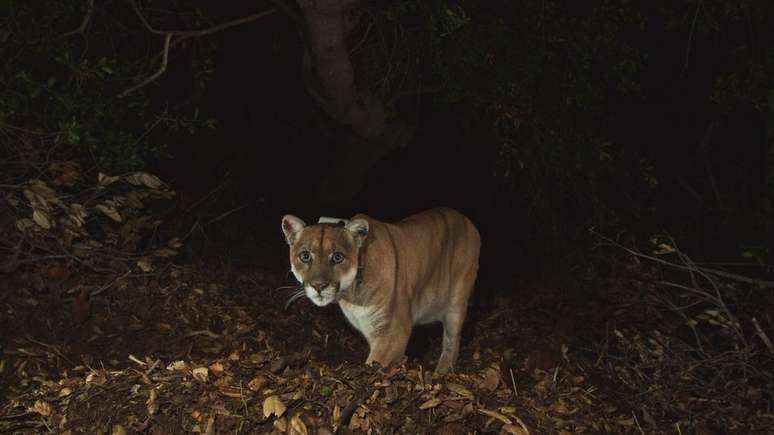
(65, 82)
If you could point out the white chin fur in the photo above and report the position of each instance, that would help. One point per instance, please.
(320, 299)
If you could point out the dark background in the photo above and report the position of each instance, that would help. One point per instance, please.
(710, 191)
(544, 119)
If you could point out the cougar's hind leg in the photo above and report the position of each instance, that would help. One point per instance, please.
(452, 326)
(452, 323)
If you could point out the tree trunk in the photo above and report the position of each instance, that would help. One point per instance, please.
(329, 79)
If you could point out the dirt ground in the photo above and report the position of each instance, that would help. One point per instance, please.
(210, 348)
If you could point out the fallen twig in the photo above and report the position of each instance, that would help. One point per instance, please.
(357, 400)
(225, 215)
(765, 338)
(732, 276)
(110, 284)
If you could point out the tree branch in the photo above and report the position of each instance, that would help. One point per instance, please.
(155, 75)
(80, 29)
(690, 36)
(201, 32)
(180, 36)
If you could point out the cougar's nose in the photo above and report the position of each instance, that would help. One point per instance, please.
(319, 285)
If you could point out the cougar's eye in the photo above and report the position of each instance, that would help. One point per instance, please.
(337, 257)
(305, 256)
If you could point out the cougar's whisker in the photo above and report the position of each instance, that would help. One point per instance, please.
(285, 287)
(298, 294)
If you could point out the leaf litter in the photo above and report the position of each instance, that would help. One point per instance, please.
(182, 347)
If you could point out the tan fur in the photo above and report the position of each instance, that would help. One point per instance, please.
(419, 270)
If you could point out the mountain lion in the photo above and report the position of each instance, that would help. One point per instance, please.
(388, 277)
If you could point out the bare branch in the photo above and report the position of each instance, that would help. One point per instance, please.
(80, 29)
(155, 75)
(226, 25)
(182, 35)
(690, 36)
(732, 276)
(201, 32)
(765, 338)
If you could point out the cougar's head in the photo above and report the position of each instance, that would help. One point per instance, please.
(324, 257)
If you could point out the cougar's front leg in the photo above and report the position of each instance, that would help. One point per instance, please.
(389, 347)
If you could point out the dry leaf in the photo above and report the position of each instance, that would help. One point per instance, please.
(561, 407)
(491, 379)
(336, 417)
(511, 413)
(360, 421)
(41, 218)
(281, 424)
(177, 365)
(103, 180)
(391, 394)
(545, 385)
(98, 377)
(109, 211)
(217, 368)
(42, 189)
(118, 430)
(210, 430)
(152, 405)
(149, 180)
(513, 430)
(35, 200)
(432, 403)
(24, 224)
(43, 408)
(133, 178)
(297, 426)
(257, 383)
(462, 391)
(132, 199)
(272, 405)
(201, 374)
(143, 178)
(78, 214)
(144, 264)
(65, 173)
(496, 415)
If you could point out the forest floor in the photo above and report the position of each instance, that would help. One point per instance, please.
(211, 348)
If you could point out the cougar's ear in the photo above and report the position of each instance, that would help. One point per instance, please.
(359, 230)
(291, 226)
